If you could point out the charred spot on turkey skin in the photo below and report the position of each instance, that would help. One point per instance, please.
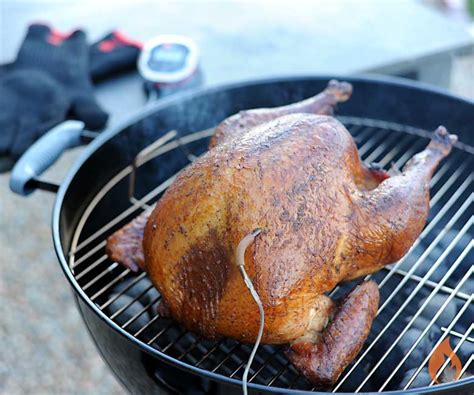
(202, 275)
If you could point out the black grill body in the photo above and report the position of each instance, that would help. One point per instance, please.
(142, 368)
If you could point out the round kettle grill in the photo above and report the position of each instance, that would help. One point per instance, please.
(426, 297)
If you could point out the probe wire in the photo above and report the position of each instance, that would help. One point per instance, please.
(240, 261)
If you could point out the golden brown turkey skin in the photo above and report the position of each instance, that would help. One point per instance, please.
(278, 179)
(323, 221)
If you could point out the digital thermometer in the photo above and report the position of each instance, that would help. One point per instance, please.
(168, 63)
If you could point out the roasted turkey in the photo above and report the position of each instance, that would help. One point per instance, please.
(324, 218)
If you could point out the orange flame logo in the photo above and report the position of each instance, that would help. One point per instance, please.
(438, 358)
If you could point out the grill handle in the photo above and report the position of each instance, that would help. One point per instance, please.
(41, 155)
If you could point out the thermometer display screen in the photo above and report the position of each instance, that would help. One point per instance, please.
(168, 57)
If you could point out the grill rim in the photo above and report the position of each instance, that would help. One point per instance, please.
(140, 115)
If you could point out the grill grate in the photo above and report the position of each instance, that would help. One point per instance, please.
(425, 297)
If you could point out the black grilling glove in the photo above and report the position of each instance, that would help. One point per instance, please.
(112, 55)
(65, 58)
(48, 81)
(34, 89)
(31, 103)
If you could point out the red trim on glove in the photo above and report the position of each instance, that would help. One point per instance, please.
(118, 39)
(56, 37)
(123, 39)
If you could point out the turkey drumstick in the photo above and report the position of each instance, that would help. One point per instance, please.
(322, 356)
(322, 104)
(390, 217)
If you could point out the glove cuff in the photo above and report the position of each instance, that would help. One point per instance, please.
(113, 54)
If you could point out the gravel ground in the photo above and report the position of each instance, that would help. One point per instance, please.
(44, 346)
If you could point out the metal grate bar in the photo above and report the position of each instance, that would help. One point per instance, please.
(127, 288)
(403, 145)
(457, 334)
(108, 270)
(89, 252)
(278, 375)
(208, 354)
(265, 363)
(394, 139)
(466, 366)
(129, 211)
(190, 348)
(145, 308)
(201, 348)
(91, 267)
(413, 293)
(160, 333)
(360, 133)
(354, 130)
(257, 359)
(371, 142)
(117, 279)
(229, 354)
(448, 184)
(394, 151)
(433, 284)
(169, 345)
(135, 299)
(103, 273)
(147, 325)
(443, 336)
(417, 314)
(376, 139)
(399, 128)
(137, 206)
(408, 154)
(441, 171)
(458, 346)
